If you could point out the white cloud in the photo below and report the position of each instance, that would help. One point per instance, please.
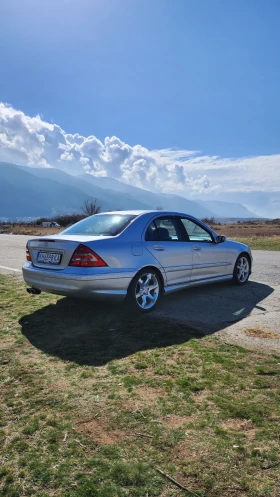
(32, 141)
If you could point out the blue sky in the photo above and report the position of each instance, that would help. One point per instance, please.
(178, 96)
(193, 74)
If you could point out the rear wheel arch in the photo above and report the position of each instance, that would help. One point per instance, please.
(151, 268)
(157, 270)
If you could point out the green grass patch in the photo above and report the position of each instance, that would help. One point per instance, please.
(93, 401)
(260, 242)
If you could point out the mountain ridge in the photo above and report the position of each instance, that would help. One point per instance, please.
(35, 192)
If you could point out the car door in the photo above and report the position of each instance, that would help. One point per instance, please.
(164, 239)
(209, 258)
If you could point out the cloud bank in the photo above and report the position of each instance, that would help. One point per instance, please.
(32, 141)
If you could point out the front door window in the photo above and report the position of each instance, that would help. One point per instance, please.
(196, 233)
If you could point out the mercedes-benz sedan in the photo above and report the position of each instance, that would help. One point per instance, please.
(133, 255)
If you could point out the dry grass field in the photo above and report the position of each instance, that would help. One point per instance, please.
(28, 229)
(259, 235)
(255, 229)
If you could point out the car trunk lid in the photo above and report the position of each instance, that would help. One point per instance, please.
(55, 252)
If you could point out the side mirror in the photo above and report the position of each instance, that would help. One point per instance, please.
(221, 239)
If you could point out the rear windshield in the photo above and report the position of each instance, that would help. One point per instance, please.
(101, 225)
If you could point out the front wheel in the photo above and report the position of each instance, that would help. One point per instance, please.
(241, 271)
(144, 291)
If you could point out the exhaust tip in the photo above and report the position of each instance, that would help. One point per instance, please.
(33, 291)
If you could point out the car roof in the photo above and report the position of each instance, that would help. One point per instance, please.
(140, 213)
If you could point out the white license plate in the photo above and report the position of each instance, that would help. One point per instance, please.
(48, 258)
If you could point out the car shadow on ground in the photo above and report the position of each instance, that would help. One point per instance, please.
(94, 333)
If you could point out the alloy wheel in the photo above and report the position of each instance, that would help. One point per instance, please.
(243, 269)
(147, 290)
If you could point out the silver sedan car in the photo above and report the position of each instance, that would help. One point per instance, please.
(133, 255)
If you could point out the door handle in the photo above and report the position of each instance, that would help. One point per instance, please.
(159, 247)
(196, 247)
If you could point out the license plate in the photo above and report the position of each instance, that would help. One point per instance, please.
(48, 258)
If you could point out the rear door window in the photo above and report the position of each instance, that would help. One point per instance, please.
(164, 230)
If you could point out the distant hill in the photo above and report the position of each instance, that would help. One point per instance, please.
(35, 192)
(23, 194)
(262, 203)
(26, 191)
(173, 202)
(152, 200)
(227, 209)
(149, 198)
(109, 199)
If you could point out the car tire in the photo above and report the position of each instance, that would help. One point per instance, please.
(241, 271)
(144, 291)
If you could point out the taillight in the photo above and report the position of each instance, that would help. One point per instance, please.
(85, 257)
(28, 258)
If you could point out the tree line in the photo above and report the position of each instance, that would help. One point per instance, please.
(89, 207)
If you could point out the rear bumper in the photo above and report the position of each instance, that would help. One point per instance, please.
(110, 285)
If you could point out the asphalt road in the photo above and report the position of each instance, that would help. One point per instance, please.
(12, 252)
(231, 313)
